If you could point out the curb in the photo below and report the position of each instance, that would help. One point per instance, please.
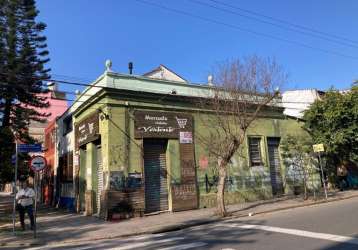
(297, 206)
(181, 226)
(233, 216)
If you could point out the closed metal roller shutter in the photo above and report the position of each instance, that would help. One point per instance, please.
(82, 179)
(275, 166)
(155, 170)
(99, 177)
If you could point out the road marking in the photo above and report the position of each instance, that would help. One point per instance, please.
(117, 240)
(144, 244)
(322, 236)
(184, 246)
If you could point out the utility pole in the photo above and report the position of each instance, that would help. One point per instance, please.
(35, 212)
(323, 179)
(318, 148)
(15, 189)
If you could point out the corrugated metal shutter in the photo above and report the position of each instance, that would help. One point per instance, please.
(275, 166)
(155, 170)
(100, 177)
(82, 178)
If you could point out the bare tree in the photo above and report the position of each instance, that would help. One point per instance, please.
(242, 89)
(298, 155)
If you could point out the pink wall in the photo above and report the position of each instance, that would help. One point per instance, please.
(57, 107)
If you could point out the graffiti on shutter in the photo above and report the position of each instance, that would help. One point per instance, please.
(155, 171)
(184, 195)
(275, 166)
(100, 178)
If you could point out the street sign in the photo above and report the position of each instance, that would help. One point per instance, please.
(26, 148)
(38, 163)
(318, 148)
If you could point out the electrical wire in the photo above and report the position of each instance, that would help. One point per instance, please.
(71, 78)
(236, 27)
(109, 88)
(91, 95)
(286, 22)
(274, 24)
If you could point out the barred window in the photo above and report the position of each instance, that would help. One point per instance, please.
(67, 125)
(255, 151)
(66, 164)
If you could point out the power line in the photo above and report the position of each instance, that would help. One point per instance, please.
(236, 27)
(109, 88)
(286, 22)
(80, 102)
(91, 95)
(325, 38)
(71, 78)
(62, 81)
(282, 102)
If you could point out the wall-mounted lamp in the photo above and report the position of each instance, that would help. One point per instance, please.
(103, 115)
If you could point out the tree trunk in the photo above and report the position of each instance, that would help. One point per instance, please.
(6, 114)
(305, 184)
(221, 210)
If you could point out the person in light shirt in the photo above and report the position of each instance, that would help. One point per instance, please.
(24, 201)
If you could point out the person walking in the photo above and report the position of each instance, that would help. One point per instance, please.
(24, 201)
(342, 176)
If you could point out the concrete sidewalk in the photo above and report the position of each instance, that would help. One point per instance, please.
(58, 227)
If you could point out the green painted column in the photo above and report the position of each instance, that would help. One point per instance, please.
(90, 150)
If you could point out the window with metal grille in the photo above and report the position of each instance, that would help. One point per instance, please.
(67, 125)
(255, 151)
(66, 164)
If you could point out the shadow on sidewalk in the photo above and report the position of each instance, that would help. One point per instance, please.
(348, 245)
(57, 226)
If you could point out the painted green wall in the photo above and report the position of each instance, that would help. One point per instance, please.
(122, 152)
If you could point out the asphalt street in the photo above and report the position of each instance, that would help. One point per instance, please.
(326, 227)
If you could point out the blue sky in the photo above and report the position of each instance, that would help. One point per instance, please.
(83, 34)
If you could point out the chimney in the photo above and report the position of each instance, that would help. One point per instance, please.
(210, 80)
(108, 65)
(130, 67)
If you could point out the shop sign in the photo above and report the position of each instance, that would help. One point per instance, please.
(152, 124)
(318, 148)
(185, 137)
(87, 130)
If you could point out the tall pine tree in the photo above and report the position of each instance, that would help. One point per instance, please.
(23, 56)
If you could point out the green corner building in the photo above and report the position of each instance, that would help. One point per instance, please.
(136, 150)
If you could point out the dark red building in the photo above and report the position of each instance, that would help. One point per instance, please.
(50, 152)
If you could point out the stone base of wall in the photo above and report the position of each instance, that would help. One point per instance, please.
(124, 204)
(209, 200)
(89, 199)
